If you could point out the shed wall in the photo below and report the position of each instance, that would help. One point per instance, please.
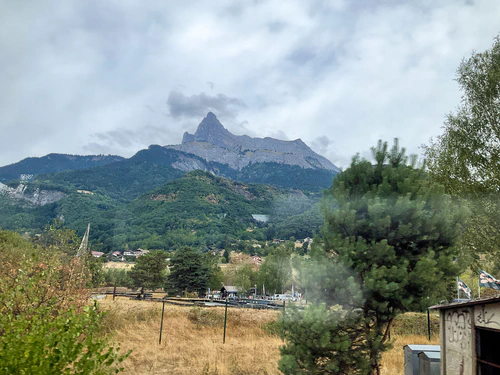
(487, 316)
(458, 339)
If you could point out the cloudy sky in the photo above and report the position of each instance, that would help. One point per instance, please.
(112, 77)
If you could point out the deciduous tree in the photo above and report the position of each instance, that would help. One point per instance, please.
(47, 324)
(466, 157)
(245, 277)
(276, 271)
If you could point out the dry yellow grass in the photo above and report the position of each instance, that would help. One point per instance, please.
(194, 346)
(119, 265)
(393, 360)
(190, 346)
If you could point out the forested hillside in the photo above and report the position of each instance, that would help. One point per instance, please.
(123, 181)
(198, 209)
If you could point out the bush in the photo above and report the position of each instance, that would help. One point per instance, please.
(46, 323)
(273, 328)
(413, 323)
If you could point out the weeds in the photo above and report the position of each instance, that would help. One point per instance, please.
(205, 318)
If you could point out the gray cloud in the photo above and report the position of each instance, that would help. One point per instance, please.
(94, 76)
(198, 105)
(321, 144)
(276, 26)
(130, 139)
(302, 56)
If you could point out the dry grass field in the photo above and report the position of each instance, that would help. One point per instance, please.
(119, 265)
(393, 360)
(192, 340)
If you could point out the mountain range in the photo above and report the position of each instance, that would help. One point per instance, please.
(287, 164)
(205, 192)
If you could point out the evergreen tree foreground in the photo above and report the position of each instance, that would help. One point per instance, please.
(387, 246)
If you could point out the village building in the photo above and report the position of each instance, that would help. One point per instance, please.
(85, 192)
(229, 291)
(470, 333)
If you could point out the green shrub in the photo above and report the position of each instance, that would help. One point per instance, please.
(413, 323)
(46, 323)
(273, 328)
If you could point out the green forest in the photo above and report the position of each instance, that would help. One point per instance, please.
(198, 209)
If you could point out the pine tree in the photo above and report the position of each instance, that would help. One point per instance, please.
(189, 271)
(150, 270)
(392, 232)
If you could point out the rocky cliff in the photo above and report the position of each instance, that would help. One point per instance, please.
(214, 143)
(37, 197)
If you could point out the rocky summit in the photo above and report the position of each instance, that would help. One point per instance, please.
(214, 143)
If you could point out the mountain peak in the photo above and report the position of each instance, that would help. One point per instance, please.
(210, 130)
(213, 142)
(211, 116)
(210, 122)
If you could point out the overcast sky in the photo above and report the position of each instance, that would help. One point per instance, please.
(113, 77)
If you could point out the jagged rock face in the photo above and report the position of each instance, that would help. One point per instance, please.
(37, 197)
(187, 164)
(213, 142)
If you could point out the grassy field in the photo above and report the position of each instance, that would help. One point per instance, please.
(192, 339)
(119, 265)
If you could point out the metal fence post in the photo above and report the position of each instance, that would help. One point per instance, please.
(161, 323)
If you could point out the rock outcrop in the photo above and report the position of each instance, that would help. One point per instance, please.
(38, 197)
(214, 143)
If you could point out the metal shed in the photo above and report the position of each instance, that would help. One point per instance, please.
(429, 363)
(412, 364)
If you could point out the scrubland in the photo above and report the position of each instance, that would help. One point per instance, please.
(192, 339)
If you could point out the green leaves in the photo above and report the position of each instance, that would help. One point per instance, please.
(276, 271)
(46, 324)
(150, 270)
(466, 157)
